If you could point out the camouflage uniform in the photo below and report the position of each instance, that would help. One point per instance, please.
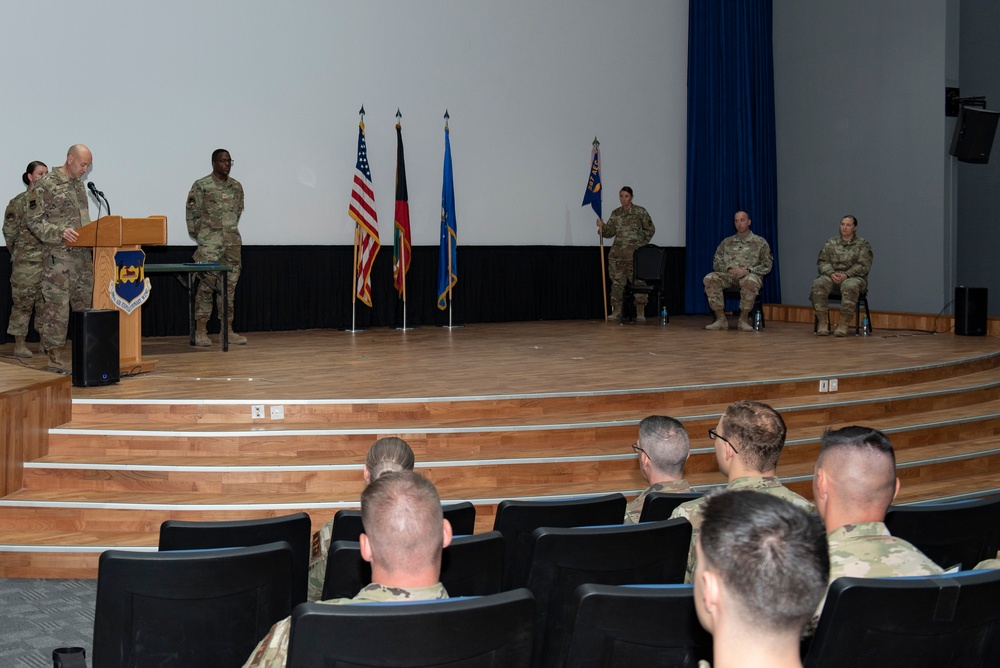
(317, 560)
(272, 651)
(868, 550)
(691, 510)
(752, 253)
(26, 254)
(633, 511)
(67, 273)
(214, 208)
(631, 229)
(854, 258)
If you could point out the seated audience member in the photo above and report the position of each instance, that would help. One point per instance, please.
(748, 441)
(762, 570)
(741, 261)
(854, 483)
(405, 532)
(663, 447)
(845, 261)
(385, 455)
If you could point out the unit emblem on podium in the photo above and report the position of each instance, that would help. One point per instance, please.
(130, 289)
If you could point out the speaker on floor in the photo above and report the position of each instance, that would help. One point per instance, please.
(974, 133)
(970, 311)
(95, 347)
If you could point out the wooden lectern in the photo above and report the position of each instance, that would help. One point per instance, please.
(107, 236)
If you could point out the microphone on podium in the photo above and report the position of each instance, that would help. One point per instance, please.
(99, 195)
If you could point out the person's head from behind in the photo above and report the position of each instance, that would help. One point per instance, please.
(753, 432)
(763, 565)
(405, 529)
(663, 447)
(855, 476)
(386, 455)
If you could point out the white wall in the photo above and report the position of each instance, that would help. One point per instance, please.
(153, 88)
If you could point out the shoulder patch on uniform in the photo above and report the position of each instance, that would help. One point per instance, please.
(10, 215)
(191, 201)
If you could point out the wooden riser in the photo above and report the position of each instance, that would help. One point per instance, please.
(314, 414)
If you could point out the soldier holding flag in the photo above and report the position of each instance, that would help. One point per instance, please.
(631, 227)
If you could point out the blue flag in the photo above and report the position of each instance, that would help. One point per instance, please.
(448, 256)
(593, 194)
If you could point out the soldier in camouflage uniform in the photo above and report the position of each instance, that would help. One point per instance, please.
(854, 483)
(663, 448)
(843, 261)
(384, 456)
(214, 207)
(762, 570)
(631, 227)
(26, 257)
(68, 273)
(748, 441)
(410, 553)
(741, 261)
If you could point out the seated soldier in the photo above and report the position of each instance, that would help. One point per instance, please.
(762, 570)
(385, 455)
(405, 532)
(663, 447)
(843, 261)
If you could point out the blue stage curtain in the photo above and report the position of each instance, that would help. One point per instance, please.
(731, 144)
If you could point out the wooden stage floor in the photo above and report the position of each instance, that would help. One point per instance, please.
(515, 359)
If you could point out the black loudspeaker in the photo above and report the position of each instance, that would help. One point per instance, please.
(974, 133)
(970, 311)
(95, 348)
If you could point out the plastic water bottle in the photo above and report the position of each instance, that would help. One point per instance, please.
(758, 320)
(866, 326)
(664, 317)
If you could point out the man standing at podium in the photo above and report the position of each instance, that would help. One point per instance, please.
(68, 273)
(214, 207)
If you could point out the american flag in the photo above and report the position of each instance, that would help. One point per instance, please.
(362, 210)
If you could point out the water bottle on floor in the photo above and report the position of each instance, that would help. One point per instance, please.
(664, 317)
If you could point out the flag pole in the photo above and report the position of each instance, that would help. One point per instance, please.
(600, 233)
(357, 244)
(401, 240)
(451, 267)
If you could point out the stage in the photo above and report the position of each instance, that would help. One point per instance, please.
(492, 411)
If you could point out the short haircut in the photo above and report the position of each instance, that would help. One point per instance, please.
(626, 189)
(30, 169)
(217, 153)
(665, 442)
(853, 219)
(388, 454)
(758, 429)
(862, 464)
(402, 515)
(773, 556)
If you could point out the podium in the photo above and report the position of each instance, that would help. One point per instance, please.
(107, 236)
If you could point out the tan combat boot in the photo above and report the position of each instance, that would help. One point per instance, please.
(846, 316)
(21, 349)
(720, 322)
(744, 324)
(234, 338)
(58, 363)
(616, 313)
(822, 323)
(201, 334)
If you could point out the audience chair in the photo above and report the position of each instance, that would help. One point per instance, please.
(835, 296)
(563, 559)
(516, 520)
(347, 524)
(649, 264)
(660, 505)
(470, 566)
(201, 608)
(293, 529)
(963, 532)
(642, 625)
(482, 632)
(734, 293)
(935, 621)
